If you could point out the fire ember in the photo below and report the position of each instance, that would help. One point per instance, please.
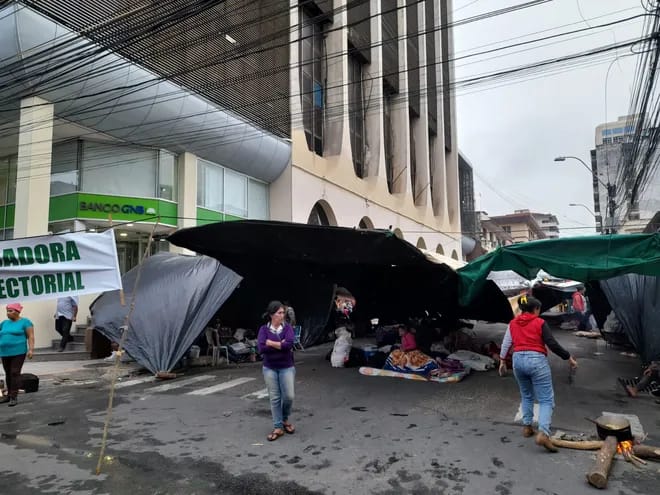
(625, 448)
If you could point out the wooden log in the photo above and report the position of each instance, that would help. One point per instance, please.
(578, 445)
(647, 452)
(165, 375)
(597, 475)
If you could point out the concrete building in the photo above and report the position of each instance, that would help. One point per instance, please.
(522, 225)
(613, 153)
(492, 234)
(549, 224)
(323, 111)
(470, 228)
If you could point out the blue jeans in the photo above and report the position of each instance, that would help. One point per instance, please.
(280, 391)
(534, 378)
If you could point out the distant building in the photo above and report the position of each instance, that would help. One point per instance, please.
(470, 228)
(492, 234)
(522, 225)
(614, 152)
(549, 224)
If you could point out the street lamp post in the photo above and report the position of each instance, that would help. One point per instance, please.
(610, 188)
(596, 219)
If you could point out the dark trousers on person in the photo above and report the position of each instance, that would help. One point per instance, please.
(13, 366)
(63, 327)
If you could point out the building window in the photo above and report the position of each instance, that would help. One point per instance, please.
(167, 176)
(64, 171)
(356, 114)
(318, 216)
(8, 165)
(210, 185)
(235, 194)
(312, 81)
(506, 228)
(119, 170)
(258, 200)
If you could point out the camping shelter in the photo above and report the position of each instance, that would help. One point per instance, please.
(391, 279)
(173, 298)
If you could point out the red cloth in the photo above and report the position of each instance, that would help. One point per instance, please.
(578, 302)
(527, 333)
(408, 342)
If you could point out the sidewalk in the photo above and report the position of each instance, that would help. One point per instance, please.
(46, 368)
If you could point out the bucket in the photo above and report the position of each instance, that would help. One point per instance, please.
(194, 352)
(369, 350)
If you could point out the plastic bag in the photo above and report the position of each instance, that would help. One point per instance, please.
(342, 348)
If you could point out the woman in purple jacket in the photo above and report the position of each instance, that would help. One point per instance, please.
(275, 342)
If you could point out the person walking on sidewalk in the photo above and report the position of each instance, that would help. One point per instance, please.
(529, 335)
(16, 342)
(275, 344)
(65, 315)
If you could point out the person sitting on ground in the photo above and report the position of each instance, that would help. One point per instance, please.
(651, 373)
(408, 342)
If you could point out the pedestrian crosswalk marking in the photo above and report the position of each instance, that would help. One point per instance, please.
(179, 383)
(259, 394)
(136, 381)
(221, 386)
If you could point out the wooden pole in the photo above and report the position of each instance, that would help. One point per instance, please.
(647, 452)
(597, 475)
(578, 445)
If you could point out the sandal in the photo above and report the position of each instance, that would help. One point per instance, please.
(289, 428)
(275, 434)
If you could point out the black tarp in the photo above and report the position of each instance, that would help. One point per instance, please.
(635, 300)
(175, 298)
(390, 278)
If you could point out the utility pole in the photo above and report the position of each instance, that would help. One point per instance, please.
(610, 205)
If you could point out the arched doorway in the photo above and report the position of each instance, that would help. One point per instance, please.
(321, 214)
(440, 250)
(366, 224)
(454, 254)
(421, 243)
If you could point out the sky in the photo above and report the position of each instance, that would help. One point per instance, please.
(512, 130)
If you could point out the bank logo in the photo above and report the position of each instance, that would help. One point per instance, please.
(117, 208)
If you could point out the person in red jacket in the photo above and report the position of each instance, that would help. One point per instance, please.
(529, 335)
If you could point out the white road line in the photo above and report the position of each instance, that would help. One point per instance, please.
(259, 394)
(221, 386)
(179, 383)
(137, 381)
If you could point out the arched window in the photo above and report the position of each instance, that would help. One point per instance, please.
(439, 249)
(366, 223)
(321, 214)
(421, 243)
(454, 254)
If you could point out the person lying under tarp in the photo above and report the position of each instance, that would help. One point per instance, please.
(408, 359)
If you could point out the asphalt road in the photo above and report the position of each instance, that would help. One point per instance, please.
(205, 433)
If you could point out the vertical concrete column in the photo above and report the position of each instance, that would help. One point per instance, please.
(399, 111)
(373, 97)
(451, 157)
(420, 129)
(337, 132)
(439, 194)
(187, 195)
(35, 149)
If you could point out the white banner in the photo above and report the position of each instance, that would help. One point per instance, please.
(52, 266)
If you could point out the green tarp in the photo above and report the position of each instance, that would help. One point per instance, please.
(583, 259)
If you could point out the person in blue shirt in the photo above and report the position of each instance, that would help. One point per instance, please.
(16, 342)
(65, 314)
